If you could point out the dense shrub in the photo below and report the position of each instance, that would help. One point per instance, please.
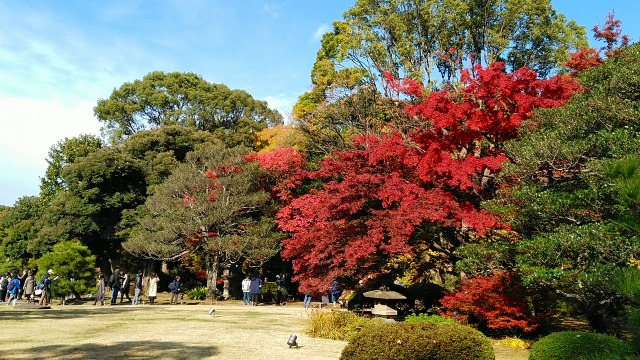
(579, 345)
(336, 325)
(199, 293)
(418, 341)
(269, 290)
(497, 302)
(428, 318)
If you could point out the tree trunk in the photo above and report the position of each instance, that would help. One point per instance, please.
(213, 264)
(149, 267)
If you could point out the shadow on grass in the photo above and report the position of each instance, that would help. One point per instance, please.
(120, 350)
(68, 312)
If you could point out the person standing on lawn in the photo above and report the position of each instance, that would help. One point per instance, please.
(246, 290)
(174, 287)
(126, 284)
(137, 283)
(256, 282)
(116, 283)
(46, 281)
(153, 288)
(100, 290)
(29, 286)
(279, 288)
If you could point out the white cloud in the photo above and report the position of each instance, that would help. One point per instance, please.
(321, 30)
(283, 104)
(28, 128)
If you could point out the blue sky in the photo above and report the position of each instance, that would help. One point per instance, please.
(58, 58)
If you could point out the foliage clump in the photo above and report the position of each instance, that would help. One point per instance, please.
(269, 291)
(336, 325)
(199, 293)
(580, 345)
(418, 318)
(415, 341)
(497, 302)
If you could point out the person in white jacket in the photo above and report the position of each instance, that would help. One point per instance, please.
(153, 288)
(246, 290)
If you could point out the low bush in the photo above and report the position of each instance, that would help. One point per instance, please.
(429, 318)
(269, 291)
(336, 325)
(418, 341)
(199, 293)
(516, 343)
(580, 345)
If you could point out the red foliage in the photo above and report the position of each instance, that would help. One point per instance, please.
(583, 60)
(611, 34)
(498, 302)
(377, 195)
(286, 169)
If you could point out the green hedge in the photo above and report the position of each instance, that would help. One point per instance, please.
(580, 345)
(413, 318)
(418, 341)
(269, 291)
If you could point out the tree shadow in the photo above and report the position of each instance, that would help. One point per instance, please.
(119, 350)
(17, 314)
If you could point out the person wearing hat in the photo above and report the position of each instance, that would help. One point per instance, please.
(45, 299)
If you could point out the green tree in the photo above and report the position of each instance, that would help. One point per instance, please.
(429, 41)
(184, 99)
(99, 187)
(18, 231)
(211, 207)
(62, 154)
(73, 265)
(576, 206)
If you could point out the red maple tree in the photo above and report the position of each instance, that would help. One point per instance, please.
(497, 302)
(611, 34)
(374, 198)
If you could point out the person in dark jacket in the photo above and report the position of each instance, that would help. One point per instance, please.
(280, 284)
(116, 283)
(137, 283)
(174, 287)
(126, 284)
(256, 282)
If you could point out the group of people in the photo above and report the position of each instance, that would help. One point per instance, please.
(15, 286)
(120, 284)
(335, 292)
(251, 289)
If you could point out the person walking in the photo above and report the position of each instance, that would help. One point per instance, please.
(116, 283)
(29, 286)
(246, 290)
(256, 282)
(22, 278)
(137, 283)
(46, 281)
(153, 288)
(307, 300)
(13, 287)
(126, 284)
(100, 290)
(174, 287)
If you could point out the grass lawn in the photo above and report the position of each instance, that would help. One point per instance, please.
(163, 331)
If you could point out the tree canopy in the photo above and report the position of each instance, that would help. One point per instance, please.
(184, 99)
